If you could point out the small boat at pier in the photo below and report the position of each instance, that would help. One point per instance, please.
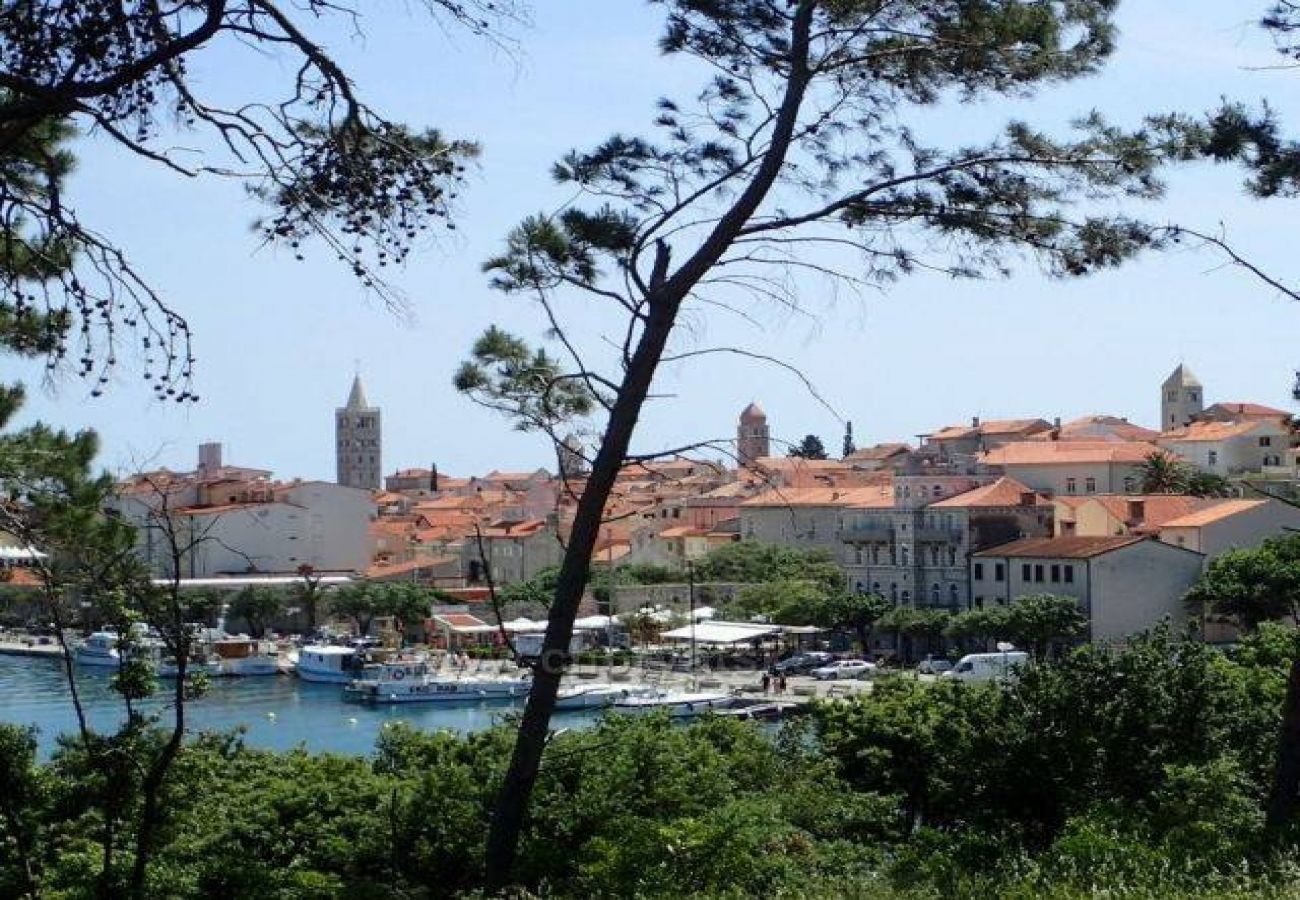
(598, 696)
(679, 704)
(411, 681)
(329, 664)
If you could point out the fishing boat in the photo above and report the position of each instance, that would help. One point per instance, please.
(328, 664)
(598, 696)
(678, 704)
(411, 681)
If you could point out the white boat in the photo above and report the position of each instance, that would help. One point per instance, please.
(410, 681)
(599, 696)
(679, 704)
(100, 649)
(328, 663)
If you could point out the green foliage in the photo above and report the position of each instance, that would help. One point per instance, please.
(811, 447)
(258, 607)
(750, 562)
(1252, 586)
(409, 604)
(1033, 622)
(527, 385)
(1163, 473)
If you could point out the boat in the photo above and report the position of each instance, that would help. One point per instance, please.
(242, 657)
(328, 664)
(411, 681)
(99, 649)
(678, 704)
(598, 696)
(761, 710)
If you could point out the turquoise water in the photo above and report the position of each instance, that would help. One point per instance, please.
(279, 713)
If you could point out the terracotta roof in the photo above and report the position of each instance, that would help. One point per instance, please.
(514, 529)
(1210, 431)
(1250, 410)
(752, 413)
(1071, 547)
(1013, 426)
(1157, 509)
(1221, 510)
(1003, 492)
(459, 620)
(1046, 453)
(388, 570)
(819, 496)
(1098, 428)
(954, 433)
(678, 531)
(880, 451)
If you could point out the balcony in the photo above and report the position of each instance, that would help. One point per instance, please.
(870, 531)
(937, 535)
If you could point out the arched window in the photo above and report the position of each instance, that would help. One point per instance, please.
(875, 588)
(952, 595)
(907, 598)
(893, 592)
(860, 588)
(903, 555)
(934, 594)
(937, 490)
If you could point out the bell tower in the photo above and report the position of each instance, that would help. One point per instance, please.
(1181, 399)
(358, 440)
(753, 439)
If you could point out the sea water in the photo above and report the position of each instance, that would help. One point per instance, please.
(276, 712)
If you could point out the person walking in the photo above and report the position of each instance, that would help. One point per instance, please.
(767, 682)
(780, 683)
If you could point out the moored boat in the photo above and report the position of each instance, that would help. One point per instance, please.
(244, 657)
(598, 696)
(328, 664)
(678, 704)
(411, 681)
(99, 649)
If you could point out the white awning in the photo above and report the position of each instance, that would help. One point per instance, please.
(592, 623)
(241, 581)
(14, 554)
(523, 625)
(722, 632)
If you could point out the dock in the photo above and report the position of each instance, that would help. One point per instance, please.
(30, 648)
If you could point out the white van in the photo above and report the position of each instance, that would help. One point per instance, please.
(987, 666)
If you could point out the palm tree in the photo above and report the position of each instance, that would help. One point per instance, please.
(1162, 473)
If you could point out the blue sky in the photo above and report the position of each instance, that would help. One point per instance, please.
(276, 339)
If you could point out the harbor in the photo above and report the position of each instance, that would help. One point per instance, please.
(283, 712)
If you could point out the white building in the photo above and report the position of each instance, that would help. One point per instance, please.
(1231, 448)
(1073, 467)
(1230, 525)
(1124, 584)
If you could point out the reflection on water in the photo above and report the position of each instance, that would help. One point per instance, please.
(278, 712)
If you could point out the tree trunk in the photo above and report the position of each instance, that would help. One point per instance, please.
(663, 302)
(1286, 773)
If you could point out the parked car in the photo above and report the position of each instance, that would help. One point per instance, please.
(934, 665)
(844, 668)
(802, 663)
(987, 666)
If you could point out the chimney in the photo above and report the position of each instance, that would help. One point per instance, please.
(1137, 512)
(974, 421)
(1028, 498)
(433, 477)
(1056, 423)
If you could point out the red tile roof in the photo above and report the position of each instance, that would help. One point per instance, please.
(1047, 453)
(1219, 511)
(1210, 431)
(1071, 547)
(1003, 492)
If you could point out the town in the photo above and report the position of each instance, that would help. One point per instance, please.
(1120, 517)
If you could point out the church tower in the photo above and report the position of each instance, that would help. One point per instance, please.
(753, 439)
(1181, 399)
(358, 440)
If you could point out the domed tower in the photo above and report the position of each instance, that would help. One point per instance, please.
(1181, 399)
(753, 439)
(573, 458)
(358, 440)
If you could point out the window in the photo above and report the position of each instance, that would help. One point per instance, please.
(1071, 486)
(857, 554)
(999, 572)
(1038, 573)
(875, 587)
(904, 553)
(860, 588)
(1069, 574)
(934, 554)
(1212, 457)
(1090, 486)
(893, 592)
(1056, 574)
(1026, 572)
(952, 556)
(1130, 484)
(937, 490)
(1266, 441)
(979, 602)
(875, 554)
(952, 595)
(934, 594)
(906, 598)
(979, 571)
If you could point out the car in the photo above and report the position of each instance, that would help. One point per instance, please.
(802, 663)
(934, 665)
(844, 668)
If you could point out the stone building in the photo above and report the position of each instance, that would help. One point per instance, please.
(1181, 399)
(358, 441)
(753, 438)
